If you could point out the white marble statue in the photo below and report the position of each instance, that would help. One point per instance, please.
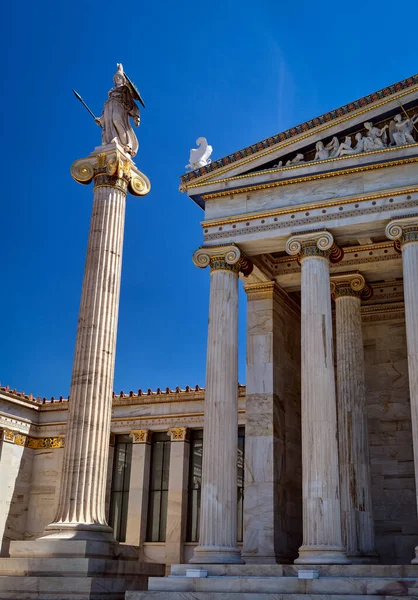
(345, 148)
(322, 152)
(299, 158)
(199, 157)
(117, 109)
(400, 131)
(333, 147)
(376, 138)
(345, 145)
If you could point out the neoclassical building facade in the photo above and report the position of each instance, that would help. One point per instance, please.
(314, 462)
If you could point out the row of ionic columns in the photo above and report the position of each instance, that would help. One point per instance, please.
(337, 511)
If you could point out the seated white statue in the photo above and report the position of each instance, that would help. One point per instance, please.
(346, 150)
(322, 152)
(299, 158)
(333, 147)
(376, 138)
(199, 157)
(345, 145)
(400, 131)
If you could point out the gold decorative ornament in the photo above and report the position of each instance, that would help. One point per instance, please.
(227, 257)
(27, 441)
(179, 434)
(83, 172)
(350, 284)
(141, 436)
(403, 231)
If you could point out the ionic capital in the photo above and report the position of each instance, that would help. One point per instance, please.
(223, 258)
(179, 434)
(403, 231)
(350, 284)
(109, 166)
(141, 436)
(314, 244)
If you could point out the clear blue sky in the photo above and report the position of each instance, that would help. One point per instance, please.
(235, 72)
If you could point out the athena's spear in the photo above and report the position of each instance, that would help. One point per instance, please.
(85, 105)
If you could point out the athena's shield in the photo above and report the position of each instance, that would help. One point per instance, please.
(134, 90)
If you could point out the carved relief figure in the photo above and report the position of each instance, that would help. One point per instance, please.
(400, 131)
(199, 157)
(376, 138)
(346, 150)
(116, 112)
(299, 158)
(322, 152)
(345, 145)
(333, 147)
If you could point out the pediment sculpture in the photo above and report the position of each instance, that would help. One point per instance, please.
(399, 132)
(200, 157)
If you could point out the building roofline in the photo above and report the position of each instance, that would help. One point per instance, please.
(303, 127)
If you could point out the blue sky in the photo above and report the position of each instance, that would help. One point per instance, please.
(235, 72)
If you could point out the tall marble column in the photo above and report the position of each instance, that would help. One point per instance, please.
(177, 495)
(136, 526)
(218, 510)
(81, 508)
(405, 233)
(353, 443)
(322, 541)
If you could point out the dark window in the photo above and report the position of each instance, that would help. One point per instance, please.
(195, 484)
(158, 490)
(240, 480)
(119, 491)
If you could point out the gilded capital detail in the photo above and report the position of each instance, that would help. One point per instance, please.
(350, 284)
(403, 231)
(318, 244)
(227, 257)
(179, 434)
(141, 436)
(20, 439)
(111, 168)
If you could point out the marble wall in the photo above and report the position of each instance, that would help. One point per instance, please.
(390, 440)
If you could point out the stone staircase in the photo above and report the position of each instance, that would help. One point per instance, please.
(281, 582)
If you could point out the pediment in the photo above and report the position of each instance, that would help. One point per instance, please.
(295, 151)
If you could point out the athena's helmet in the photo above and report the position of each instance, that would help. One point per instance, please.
(119, 74)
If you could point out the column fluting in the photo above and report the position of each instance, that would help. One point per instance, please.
(353, 444)
(83, 488)
(405, 233)
(322, 541)
(218, 510)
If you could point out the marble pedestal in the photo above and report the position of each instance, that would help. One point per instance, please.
(56, 569)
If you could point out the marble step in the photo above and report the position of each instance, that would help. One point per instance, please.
(69, 588)
(78, 567)
(259, 570)
(382, 586)
(249, 596)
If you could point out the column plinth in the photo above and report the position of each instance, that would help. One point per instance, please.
(218, 511)
(81, 508)
(322, 540)
(405, 234)
(353, 444)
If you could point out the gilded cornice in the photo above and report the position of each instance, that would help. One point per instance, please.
(303, 131)
(380, 312)
(20, 439)
(307, 178)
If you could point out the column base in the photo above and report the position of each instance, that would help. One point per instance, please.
(322, 555)
(79, 531)
(216, 555)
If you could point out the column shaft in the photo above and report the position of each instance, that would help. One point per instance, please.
(82, 499)
(322, 541)
(177, 496)
(410, 271)
(136, 527)
(356, 501)
(218, 516)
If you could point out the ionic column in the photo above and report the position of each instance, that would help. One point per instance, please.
(177, 495)
(81, 508)
(322, 542)
(405, 233)
(218, 510)
(136, 526)
(353, 444)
